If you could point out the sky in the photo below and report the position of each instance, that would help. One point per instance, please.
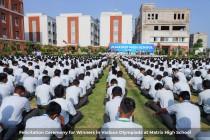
(199, 16)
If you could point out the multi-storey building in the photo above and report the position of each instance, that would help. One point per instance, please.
(11, 24)
(115, 27)
(40, 28)
(77, 29)
(194, 38)
(166, 28)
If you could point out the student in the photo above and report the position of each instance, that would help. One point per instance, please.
(111, 109)
(83, 84)
(152, 91)
(180, 75)
(20, 78)
(66, 80)
(95, 73)
(146, 82)
(15, 111)
(89, 83)
(114, 83)
(74, 93)
(45, 73)
(10, 77)
(5, 89)
(126, 110)
(110, 77)
(44, 93)
(56, 80)
(208, 75)
(196, 83)
(68, 112)
(140, 76)
(30, 83)
(72, 72)
(163, 98)
(179, 86)
(167, 81)
(187, 116)
(204, 99)
(121, 81)
(45, 122)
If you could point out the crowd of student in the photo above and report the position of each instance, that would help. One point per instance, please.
(61, 85)
(165, 80)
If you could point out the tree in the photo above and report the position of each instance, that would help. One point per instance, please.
(198, 45)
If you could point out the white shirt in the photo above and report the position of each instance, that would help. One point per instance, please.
(55, 81)
(112, 108)
(12, 108)
(204, 99)
(30, 84)
(67, 108)
(20, 78)
(5, 90)
(181, 76)
(181, 86)
(72, 73)
(73, 93)
(146, 81)
(168, 83)
(196, 83)
(110, 77)
(87, 79)
(66, 80)
(187, 116)
(165, 97)
(119, 125)
(43, 94)
(152, 90)
(45, 123)
(83, 85)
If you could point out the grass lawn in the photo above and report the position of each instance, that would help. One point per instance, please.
(94, 111)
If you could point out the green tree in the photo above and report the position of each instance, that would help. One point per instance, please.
(198, 45)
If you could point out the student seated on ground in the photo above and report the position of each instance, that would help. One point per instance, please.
(5, 89)
(179, 86)
(196, 83)
(152, 84)
(146, 82)
(56, 80)
(30, 83)
(204, 99)
(89, 83)
(111, 109)
(66, 80)
(121, 81)
(140, 77)
(15, 111)
(187, 116)
(21, 77)
(46, 122)
(167, 81)
(110, 77)
(179, 74)
(207, 76)
(44, 93)
(75, 95)
(126, 111)
(68, 112)
(83, 84)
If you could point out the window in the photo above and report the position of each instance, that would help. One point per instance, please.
(54, 42)
(178, 16)
(50, 40)
(49, 32)
(4, 32)
(164, 28)
(179, 28)
(116, 25)
(53, 33)
(182, 16)
(49, 23)
(2, 2)
(155, 39)
(16, 21)
(15, 7)
(162, 39)
(53, 24)
(156, 28)
(3, 17)
(156, 16)
(165, 39)
(153, 16)
(175, 39)
(174, 16)
(17, 34)
(148, 16)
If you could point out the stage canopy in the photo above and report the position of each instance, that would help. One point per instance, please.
(132, 48)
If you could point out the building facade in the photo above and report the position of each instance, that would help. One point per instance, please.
(163, 27)
(194, 38)
(77, 29)
(12, 24)
(115, 27)
(40, 28)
